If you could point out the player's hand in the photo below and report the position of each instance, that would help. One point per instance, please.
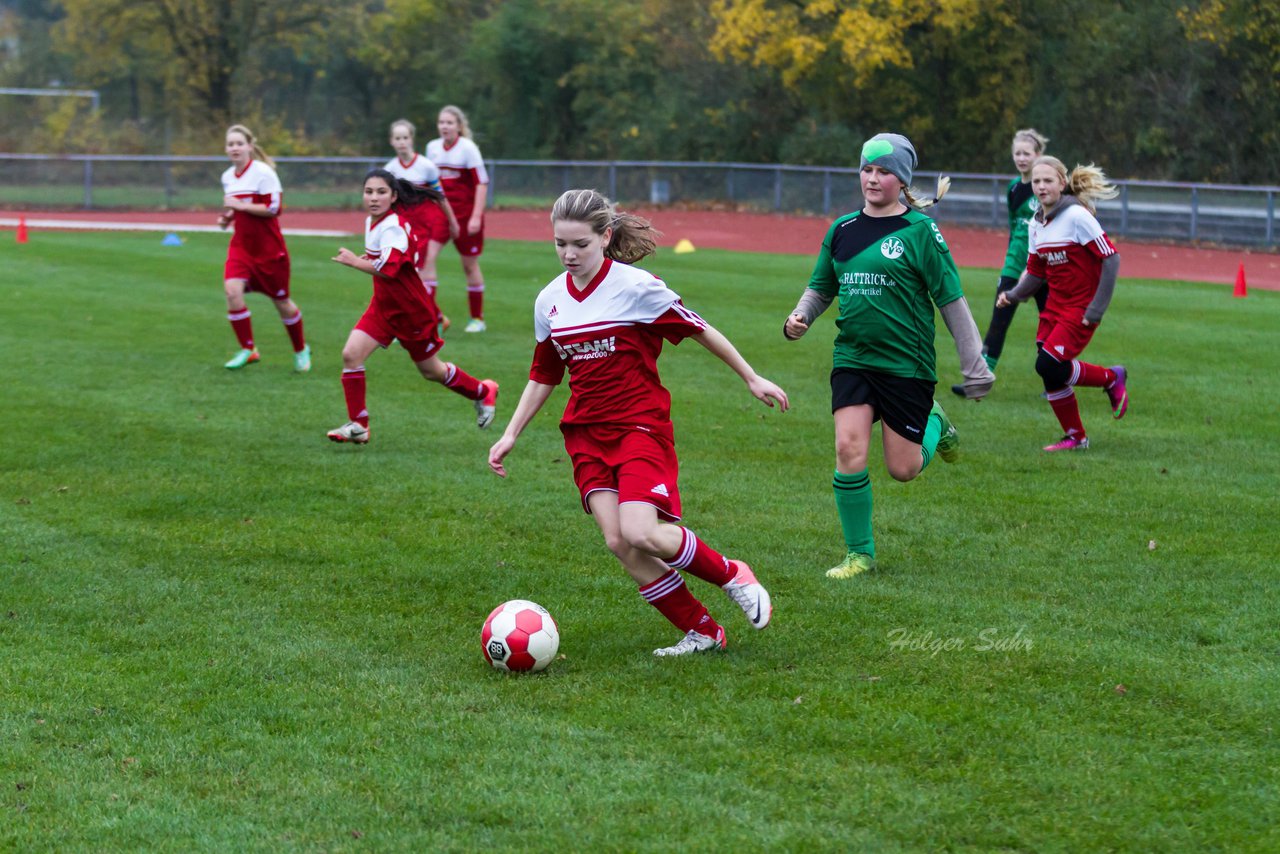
(978, 389)
(231, 203)
(473, 226)
(1002, 300)
(767, 392)
(498, 453)
(794, 327)
(345, 256)
(454, 229)
(224, 219)
(1084, 321)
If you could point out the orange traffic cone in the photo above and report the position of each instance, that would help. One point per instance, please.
(22, 229)
(1241, 289)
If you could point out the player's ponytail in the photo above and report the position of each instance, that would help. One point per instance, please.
(1087, 183)
(408, 195)
(633, 238)
(258, 153)
(909, 193)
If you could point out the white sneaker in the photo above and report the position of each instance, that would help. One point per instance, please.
(350, 432)
(302, 360)
(487, 406)
(750, 595)
(694, 642)
(475, 324)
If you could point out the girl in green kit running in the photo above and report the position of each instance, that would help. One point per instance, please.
(889, 265)
(1028, 144)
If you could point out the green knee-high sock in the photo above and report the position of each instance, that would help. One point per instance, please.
(929, 443)
(853, 503)
(990, 360)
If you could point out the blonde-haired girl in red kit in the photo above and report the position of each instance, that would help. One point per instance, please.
(603, 322)
(1071, 255)
(257, 259)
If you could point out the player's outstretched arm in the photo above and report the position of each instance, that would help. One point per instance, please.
(535, 394)
(978, 378)
(356, 262)
(762, 389)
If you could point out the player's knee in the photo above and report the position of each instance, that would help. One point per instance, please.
(1055, 374)
(642, 535)
(851, 455)
(351, 358)
(614, 541)
(902, 472)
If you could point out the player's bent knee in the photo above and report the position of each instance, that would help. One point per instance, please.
(1054, 373)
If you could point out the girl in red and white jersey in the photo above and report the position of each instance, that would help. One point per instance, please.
(402, 308)
(466, 184)
(604, 323)
(1071, 254)
(257, 259)
(433, 219)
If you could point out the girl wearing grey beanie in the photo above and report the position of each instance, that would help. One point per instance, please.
(888, 265)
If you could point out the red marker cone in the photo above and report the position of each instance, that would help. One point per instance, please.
(22, 229)
(1241, 289)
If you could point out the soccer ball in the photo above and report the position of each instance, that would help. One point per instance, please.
(519, 635)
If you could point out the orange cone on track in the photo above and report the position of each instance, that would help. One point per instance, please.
(1241, 290)
(22, 229)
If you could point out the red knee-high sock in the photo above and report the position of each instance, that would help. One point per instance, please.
(242, 326)
(353, 388)
(1065, 407)
(461, 382)
(674, 601)
(1093, 376)
(699, 559)
(293, 325)
(475, 300)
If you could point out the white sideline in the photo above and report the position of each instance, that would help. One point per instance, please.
(104, 225)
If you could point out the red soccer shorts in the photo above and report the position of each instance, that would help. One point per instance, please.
(419, 335)
(269, 277)
(1064, 338)
(638, 463)
(468, 245)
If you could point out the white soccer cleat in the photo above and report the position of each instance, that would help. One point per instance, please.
(750, 595)
(242, 358)
(350, 432)
(475, 324)
(694, 642)
(487, 406)
(302, 360)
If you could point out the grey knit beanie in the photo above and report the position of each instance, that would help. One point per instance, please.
(891, 151)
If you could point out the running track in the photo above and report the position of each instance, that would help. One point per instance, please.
(744, 232)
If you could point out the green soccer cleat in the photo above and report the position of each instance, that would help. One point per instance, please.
(949, 442)
(854, 563)
(244, 357)
(475, 324)
(302, 360)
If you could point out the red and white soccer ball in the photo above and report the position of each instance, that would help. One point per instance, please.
(520, 636)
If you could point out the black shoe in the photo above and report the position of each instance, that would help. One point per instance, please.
(958, 389)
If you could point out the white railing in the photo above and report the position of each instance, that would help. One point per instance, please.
(1220, 213)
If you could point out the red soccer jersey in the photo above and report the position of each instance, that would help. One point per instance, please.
(399, 294)
(461, 170)
(608, 337)
(256, 237)
(1067, 252)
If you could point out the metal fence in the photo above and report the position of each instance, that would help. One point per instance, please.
(1218, 213)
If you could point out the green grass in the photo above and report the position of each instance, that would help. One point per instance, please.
(220, 632)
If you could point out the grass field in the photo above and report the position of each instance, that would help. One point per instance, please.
(220, 632)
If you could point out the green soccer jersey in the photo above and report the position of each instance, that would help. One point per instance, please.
(1022, 205)
(888, 273)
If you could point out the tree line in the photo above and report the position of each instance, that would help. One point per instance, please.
(1157, 89)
